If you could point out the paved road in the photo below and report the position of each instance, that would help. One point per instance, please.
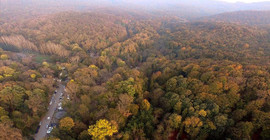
(42, 132)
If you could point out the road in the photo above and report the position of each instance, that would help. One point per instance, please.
(42, 132)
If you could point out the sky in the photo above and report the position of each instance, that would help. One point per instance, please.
(246, 1)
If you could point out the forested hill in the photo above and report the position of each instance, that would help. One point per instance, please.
(65, 33)
(140, 77)
(260, 18)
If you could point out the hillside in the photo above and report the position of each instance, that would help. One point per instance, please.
(243, 17)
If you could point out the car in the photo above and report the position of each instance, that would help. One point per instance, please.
(68, 97)
(61, 94)
(37, 129)
(53, 125)
(60, 104)
(60, 108)
(49, 130)
(39, 123)
(47, 126)
(48, 118)
(50, 102)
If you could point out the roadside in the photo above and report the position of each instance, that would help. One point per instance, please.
(55, 108)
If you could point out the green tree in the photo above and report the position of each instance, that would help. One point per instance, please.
(12, 97)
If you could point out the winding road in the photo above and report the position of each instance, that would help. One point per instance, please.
(42, 132)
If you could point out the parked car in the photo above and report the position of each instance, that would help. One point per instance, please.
(50, 102)
(47, 126)
(53, 124)
(49, 118)
(68, 97)
(60, 108)
(37, 129)
(49, 130)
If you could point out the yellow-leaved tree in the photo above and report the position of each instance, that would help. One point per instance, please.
(66, 123)
(101, 129)
(33, 76)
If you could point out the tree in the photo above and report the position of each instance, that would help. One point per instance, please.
(84, 135)
(33, 76)
(126, 87)
(192, 126)
(145, 105)
(101, 129)
(36, 101)
(178, 107)
(8, 133)
(3, 57)
(12, 96)
(45, 64)
(175, 121)
(6, 71)
(243, 130)
(3, 112)
(202, 113)
(66, 124)
(123, 104)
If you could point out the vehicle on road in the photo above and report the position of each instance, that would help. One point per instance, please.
(49, 118)
(39, 123)
(37, 129)
(53, 124)
(49, 130)
(60, 108)
(47, 126)
(50, 102)
(68, 97)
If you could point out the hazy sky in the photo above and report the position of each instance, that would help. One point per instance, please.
(246, 1)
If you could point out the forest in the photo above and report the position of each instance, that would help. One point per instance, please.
(137, 76)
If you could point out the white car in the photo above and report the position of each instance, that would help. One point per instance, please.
(68, 97)
(49, 130)
(47, 126)
(49, 118)
(60, 108)
(50, 102)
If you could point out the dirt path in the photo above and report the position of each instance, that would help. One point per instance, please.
(42, 132)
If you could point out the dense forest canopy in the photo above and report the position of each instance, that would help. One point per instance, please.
(260, 18)
(136, 73)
